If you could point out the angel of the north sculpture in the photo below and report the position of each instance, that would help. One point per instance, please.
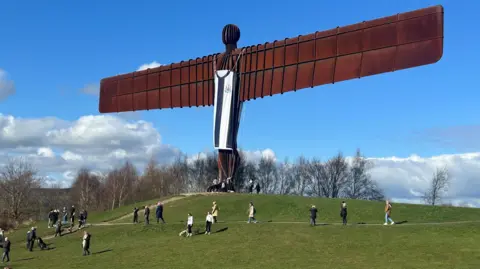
(226, 80)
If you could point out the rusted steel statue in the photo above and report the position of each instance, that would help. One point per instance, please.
(226, 80)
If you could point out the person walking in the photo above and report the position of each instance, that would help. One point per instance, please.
(208, 223)
(50, 218)
(215, 211)
(65, 215)
(343, 212)
(72, 215)
(146, 214)
(58, 230)
(189, 224)
(251, 213)
(6, 250)
(31, 237)
(159, 212)
(313, 215)
(135, 215)
(86, 243)
(85, 215)
(388, 213)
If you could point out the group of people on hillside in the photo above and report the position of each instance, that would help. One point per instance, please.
(343, 214)
(146, 213)
(314, 211)
(54, 218)
(210, 219)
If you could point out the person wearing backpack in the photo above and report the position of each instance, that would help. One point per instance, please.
(251, 213)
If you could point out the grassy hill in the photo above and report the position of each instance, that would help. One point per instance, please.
(429, 237)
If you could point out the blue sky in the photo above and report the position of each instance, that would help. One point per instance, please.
(52, 49)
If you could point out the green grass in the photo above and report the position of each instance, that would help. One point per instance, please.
(272, 245)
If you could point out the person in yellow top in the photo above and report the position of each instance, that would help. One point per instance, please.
(215, 212)
(388, 213)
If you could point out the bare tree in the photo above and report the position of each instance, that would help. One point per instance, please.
(18, 179)
(266, 174)
(119, 183)
(177, 180)
(86, 189)
(317, 177)
(334, 176)
(302, 183)
(286, 181)
(438, 186)
(202, 171)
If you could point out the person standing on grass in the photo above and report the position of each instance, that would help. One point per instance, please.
(251, 213)
(343, 212)
(85, 214)
(159, 212)
(135, 215)
(50, 218)
(189, 224)
(388, 213)
(31, 237)
(215, 211)
(313, 215)
(86, 243)
(80, 220)
(257, 187)
(65, 215)
(6, 250)
(208, 223)
(146, 214)
(58, 230)
(72, 215)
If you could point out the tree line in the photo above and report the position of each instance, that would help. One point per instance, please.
(23, 196)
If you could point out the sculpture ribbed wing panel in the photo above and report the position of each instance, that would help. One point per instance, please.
(372, 47)
(184, 84)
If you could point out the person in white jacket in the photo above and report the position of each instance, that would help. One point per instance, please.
(208, 223)
(189, 224)
(86, 243)
(251, 213)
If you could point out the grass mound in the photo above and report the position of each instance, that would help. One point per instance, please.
(285, 242)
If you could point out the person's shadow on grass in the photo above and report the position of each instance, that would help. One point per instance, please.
(102, 251)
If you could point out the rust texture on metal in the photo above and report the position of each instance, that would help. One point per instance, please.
(368, 48)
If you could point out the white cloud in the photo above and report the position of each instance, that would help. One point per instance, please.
(91, 89)
(405, 179)
(59, 148)
(7, 86)
(149, 65)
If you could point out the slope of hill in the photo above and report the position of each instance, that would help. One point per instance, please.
(432, 237)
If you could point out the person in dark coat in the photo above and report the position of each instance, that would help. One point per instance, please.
(343, 212)
(159, 212)
(55, 216)
(313, 215)
(257, 188)
(31, 237)
(85, 215)
(86, 243)
(72, 215)
(6, 250)
(58, 230)
(146, 214)
(80, 220)
(135, 215)
(50, 218)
